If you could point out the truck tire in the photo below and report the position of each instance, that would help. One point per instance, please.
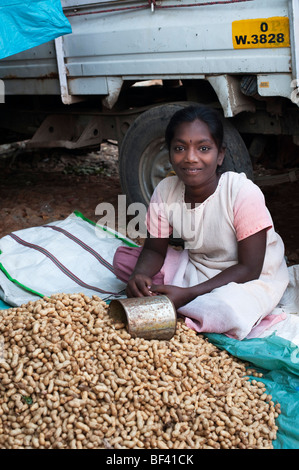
(143, 155)
(237, 157)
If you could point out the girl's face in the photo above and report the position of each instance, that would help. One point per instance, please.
(195, 156)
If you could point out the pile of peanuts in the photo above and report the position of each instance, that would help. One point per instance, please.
(71, 377)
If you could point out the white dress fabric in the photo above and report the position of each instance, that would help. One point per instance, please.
(211, 232)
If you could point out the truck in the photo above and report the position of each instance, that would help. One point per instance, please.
(128, 65)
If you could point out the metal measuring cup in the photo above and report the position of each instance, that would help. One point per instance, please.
(146, 317)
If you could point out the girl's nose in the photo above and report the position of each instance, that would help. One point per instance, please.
(191, 155)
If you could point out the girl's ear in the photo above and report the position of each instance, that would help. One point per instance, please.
(221, 155)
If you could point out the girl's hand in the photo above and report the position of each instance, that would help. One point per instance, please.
(178, 295)
(139, 286)
(149, 263)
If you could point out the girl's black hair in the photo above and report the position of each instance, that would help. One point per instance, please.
(209, 116)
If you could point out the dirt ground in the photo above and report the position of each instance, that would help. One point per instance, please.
(41, 187)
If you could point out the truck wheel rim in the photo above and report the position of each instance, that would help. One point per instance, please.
(154, 166)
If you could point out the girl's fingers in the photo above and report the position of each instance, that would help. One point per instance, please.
(144, 289)
(138, 288)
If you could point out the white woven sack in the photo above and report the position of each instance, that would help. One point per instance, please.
(73, 255)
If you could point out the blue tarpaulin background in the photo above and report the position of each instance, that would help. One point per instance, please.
(3, 305)
(29, 23)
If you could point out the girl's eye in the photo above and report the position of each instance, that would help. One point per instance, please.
(204, 148)
(178, 148)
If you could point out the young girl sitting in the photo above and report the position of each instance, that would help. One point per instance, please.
(231, 272)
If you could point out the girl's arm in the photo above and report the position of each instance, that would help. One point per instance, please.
(149, 263)
(251, 253)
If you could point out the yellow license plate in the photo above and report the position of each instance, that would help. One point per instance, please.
(261, 32)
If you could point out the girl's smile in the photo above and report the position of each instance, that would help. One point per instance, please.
(195, 157)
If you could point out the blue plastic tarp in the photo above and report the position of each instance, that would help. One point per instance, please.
(4, 305)
(28, 23)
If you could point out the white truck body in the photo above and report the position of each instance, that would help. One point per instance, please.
(240, 55)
